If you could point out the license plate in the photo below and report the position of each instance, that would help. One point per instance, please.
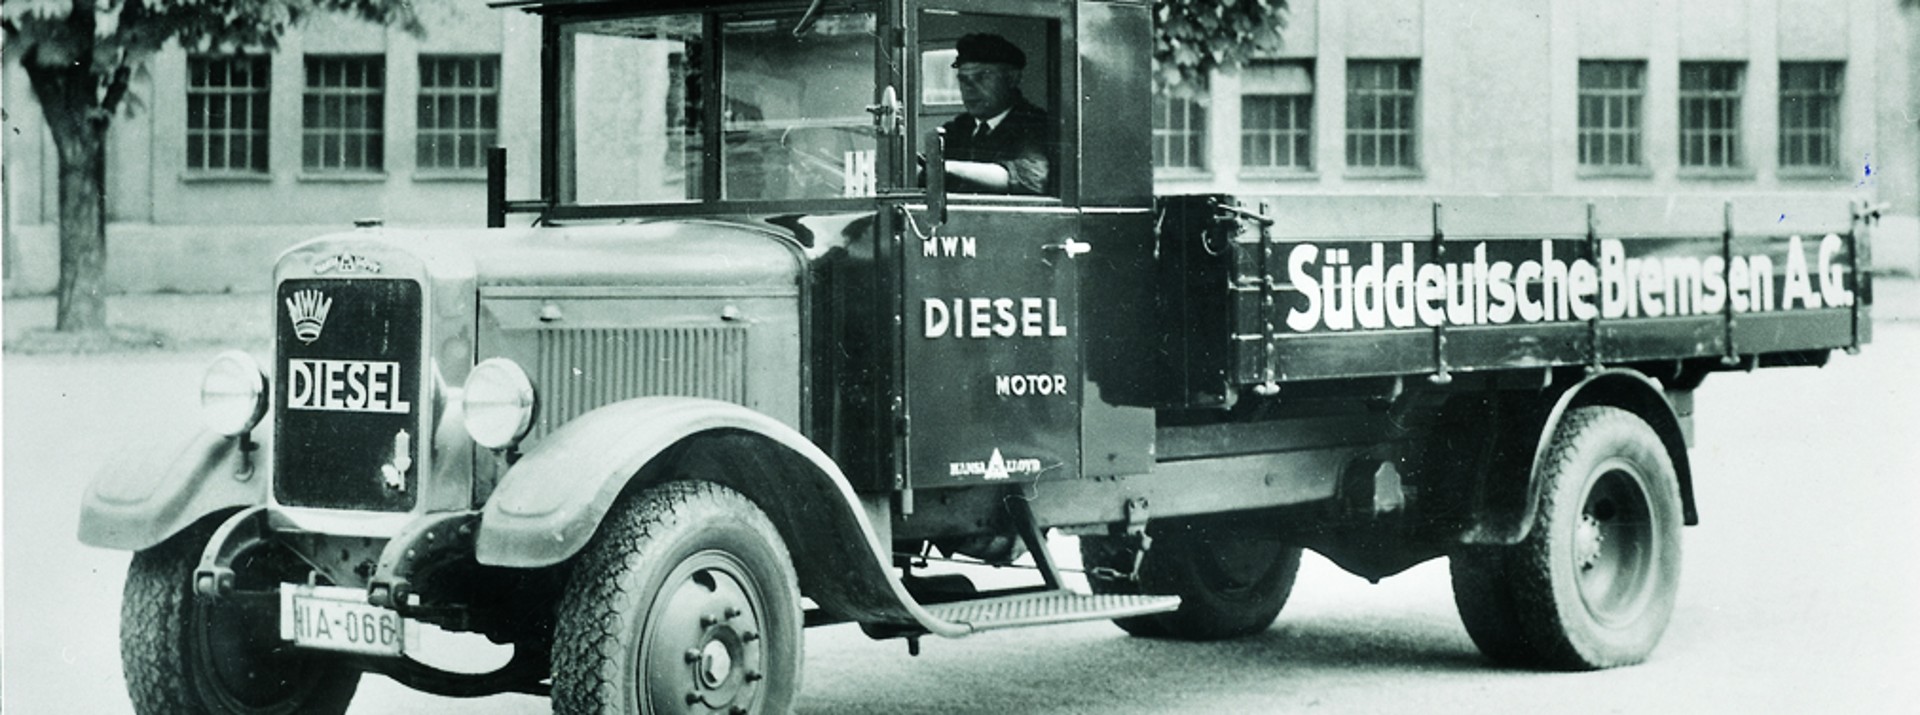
(335, 618)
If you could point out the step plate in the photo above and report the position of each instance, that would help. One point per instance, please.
(1033, 609)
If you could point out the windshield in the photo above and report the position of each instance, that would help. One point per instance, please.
(792, 120)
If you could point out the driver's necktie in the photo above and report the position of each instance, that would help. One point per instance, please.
(980, 130)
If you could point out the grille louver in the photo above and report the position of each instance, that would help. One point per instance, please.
(580, 369)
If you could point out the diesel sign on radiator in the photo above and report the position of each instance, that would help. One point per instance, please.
(344, 386)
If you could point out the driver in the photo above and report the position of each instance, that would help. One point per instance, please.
(1001, 144)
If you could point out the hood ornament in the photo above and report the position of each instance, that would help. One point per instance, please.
(344, 262)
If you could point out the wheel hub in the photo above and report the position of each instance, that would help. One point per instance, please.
(1589, 540)
(1613, 546)
(716, 664)
(705, 644)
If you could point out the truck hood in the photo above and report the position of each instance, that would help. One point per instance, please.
(677, 252)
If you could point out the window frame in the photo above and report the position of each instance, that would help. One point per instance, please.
(1621, 97)
(1710, 103)
(1193, 137)
(1406, 103)
(1831, 96)
(1056, 59)
(485, 98)
(1298, 132)
(372, 131)
(258, 95)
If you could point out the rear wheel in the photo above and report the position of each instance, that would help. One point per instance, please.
(685, 602)
(1229, 586)
(1593, 584)
(188, 655)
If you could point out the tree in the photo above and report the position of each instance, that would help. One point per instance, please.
(1194, 37)
(80, 55)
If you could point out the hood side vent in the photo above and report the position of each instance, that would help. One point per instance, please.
(581, 369)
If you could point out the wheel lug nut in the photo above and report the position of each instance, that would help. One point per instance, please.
(749, 636)
(732, 613)
(693, 698)
(754, 676)
(693, 655)
(709, 621)
(737, 710)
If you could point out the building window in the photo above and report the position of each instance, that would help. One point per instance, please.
(227, 114)
(1382, 101)
(1611, 95)
(342, 114)
(1710, 114)
(1180, 131)
(1810, 114)
(1276, 116)
(459, 111)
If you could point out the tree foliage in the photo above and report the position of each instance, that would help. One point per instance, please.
(1194, 37)
(80, 56)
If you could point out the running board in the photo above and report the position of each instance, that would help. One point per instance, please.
(1045, 607)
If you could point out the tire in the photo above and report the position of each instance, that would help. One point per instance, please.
(1228, 588)
(187, 655)
(684, 602)
(1593, 583)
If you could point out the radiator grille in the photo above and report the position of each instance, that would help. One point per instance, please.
(580, 369)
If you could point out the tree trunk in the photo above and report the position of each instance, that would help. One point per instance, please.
(69, 99)
(83, 231)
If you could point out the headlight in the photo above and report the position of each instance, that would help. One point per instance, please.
(233, 395)
(498, 402)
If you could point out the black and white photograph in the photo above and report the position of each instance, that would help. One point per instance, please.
(959, 357)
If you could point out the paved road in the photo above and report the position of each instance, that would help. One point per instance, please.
(1798, 595)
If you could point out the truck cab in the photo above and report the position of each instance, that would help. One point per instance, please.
(758, 352)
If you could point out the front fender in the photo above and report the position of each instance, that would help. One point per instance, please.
(550, 503)
(149, 492)
(552, 500)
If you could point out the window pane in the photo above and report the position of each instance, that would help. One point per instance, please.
(226, 113)
(1382, 113)
(1180, 131)
(457, 107)
(1276, 115)
(1609, 112)
(631, 127)
(1710, 123)
(343, 113)
(1809, 113)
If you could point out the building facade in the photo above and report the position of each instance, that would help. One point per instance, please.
(227, 159)
(234, 157)
(1734, 97)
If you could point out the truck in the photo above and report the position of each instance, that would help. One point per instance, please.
(745, 366)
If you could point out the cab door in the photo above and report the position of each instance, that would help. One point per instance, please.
(991, 363)
(990, 346)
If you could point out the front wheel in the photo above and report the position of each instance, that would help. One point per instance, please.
(188, 655)
(1593, 584)
(685, 602)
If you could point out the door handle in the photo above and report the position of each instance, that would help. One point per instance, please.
(1070, 247)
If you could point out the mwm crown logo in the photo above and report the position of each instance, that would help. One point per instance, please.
(308, 310)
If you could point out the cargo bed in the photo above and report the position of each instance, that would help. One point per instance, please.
(1262, 291)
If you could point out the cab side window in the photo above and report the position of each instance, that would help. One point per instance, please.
(989, 82)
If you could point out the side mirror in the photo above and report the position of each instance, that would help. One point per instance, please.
(937, 176)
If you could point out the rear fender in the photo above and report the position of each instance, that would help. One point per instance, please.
(149, 492)
(1509, 521)
(550, 503)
